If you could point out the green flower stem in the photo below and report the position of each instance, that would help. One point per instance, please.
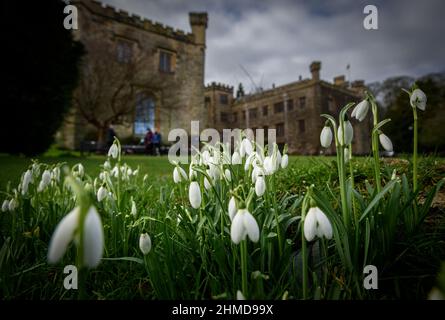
(415, 151)
(243, 249)
(351, 173)
(342, 179)
(304, 255)
(275, 210)
(375, 147)
(304, 208)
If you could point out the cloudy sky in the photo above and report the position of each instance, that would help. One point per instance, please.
(275, 41)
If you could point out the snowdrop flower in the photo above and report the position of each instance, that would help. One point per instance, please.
(207, 184)
(66, 231)
(129, 172)
(55, 174)
(195, 195)
(27, 178)
(284, 161)
(80, 170)
(46, 179)
(179, 174)
(385, 142)
(361, 110)
(228, 175)
(13, 204)
(101, 193)
(113, 151)
(418, 99)
(205, 156)
(145, 243)
(269, 167)
(232, 208)
(115, 172)
(256, 172)
(134, 210)
(260, 186)
(236, 158)
(136, 172)
(5, 205)
(316, 224)
(326, 137)
(348, 132)
(244, 224)
(107, 165)
(249, 161)
(240, 296)
(246, 148)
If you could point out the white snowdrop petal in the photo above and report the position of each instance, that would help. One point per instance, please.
(348, 133)
(324, 224)
(310, 225)
(385, 142)
(176, 175)
(207, 184)
(101, 193)
(195, 195)
(361, 110)
(5, 205)
(62, 236)
(284, 161)
(232, 208)
(326, 137)
(237, 232)
(93, 238)
(251, 226)
(228, 175)
(240, 296)
(145, 243)
(260, 186)
(418, 99)
(236, 158)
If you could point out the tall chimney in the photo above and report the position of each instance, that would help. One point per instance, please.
(198, 22)
(315, 70)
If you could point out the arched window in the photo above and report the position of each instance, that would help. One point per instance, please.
(144, 115)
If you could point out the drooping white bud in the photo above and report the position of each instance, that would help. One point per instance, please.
(385, 142)
(145, 243)
(326, 137)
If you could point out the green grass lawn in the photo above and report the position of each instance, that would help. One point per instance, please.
(156, 167)
(13, 166)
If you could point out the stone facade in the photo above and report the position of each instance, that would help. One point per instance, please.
(185, 96)
(293, 110)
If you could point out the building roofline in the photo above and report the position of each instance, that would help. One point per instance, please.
(122, 16)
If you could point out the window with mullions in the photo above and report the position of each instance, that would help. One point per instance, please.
(144, 115)
(166, 61)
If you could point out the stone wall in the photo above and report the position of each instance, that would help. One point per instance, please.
(178, 95)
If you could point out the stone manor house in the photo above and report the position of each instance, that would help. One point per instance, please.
(178, 59)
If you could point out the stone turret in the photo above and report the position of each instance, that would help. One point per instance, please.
(198, 22)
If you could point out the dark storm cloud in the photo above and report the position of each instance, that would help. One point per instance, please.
(275, 41)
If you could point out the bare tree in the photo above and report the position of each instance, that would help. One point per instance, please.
(107, 91)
